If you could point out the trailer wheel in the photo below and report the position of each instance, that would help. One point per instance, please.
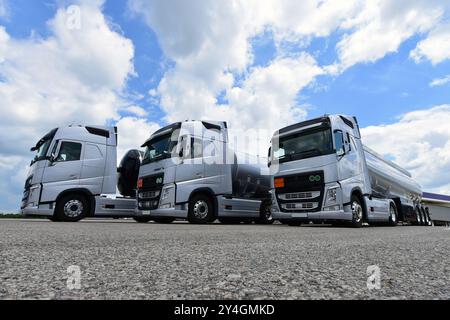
(142, 219)
(164, 220)
(265, 213)
(72, 208)
(425, 221)
(393, 215)
(427, 212)
(201, 210)
(357, 212)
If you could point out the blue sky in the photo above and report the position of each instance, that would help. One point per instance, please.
(141, 64)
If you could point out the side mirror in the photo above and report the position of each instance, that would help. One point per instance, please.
(339, 143)
(269, 163)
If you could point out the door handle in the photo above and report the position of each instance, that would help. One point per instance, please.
(74, 176)
(199, 174)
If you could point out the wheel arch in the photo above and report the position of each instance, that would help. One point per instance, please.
(84, 192)
(358, 193)
(208, 192)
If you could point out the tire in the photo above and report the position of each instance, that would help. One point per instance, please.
(427, 212)
(72, 208)
(201, 209)
(53, 219)
(425, 221)
(142, 219)
(418, 220)
(420, 217)
(357, 212)
(393, 215)
(164, 220)
(265, 213)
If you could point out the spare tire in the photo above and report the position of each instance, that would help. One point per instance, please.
(128, 173)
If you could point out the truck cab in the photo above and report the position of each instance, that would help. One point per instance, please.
(189, 172)
(323, 172)
(72, 174)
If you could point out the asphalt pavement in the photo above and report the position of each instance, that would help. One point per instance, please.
(121, 259)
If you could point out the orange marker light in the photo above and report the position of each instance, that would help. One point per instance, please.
(279, 182)
(140, 183)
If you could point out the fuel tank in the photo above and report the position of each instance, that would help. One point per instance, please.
(388, 180)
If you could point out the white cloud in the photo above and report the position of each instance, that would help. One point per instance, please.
(132, 134)
(440, 81)
(419, 142)
(436, 47)
(382, 26)
(75, 75)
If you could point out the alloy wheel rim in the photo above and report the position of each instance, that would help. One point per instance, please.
(357, 211)
(201, 209)
(393, 215)
(73, 208)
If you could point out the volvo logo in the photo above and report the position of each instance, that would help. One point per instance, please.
(314, 178)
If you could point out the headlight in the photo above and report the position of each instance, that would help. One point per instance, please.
(332, 195)
(166, 192)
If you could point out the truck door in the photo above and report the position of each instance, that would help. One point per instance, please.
(214, 167)
(93, 167)
(190, 172)
(65, 169)
(349, 166)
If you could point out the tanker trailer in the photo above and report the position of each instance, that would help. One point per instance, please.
(322, 172)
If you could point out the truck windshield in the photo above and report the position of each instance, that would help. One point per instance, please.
(303, 145)
(42, 146)
(159, 148)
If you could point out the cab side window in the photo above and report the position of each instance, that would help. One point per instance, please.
(69, 151)
(196, 148)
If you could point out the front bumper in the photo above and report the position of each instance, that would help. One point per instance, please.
(339, 215)
(176, 212)
(46, 210)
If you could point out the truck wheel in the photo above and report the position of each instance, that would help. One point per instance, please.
(72, 208)
(142, 219)
(265, 214)
(427, 212)
(393, 215)
(164, 220)
(425, 221)
(357, 212)
(201, 210)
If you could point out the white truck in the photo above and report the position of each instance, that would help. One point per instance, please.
(322, 172)
(190, 172)
(74, 175)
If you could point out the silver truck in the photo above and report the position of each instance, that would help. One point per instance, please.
(190, 172)
(74, 175)
(322, 172)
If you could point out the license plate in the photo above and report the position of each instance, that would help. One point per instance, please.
(299, 215)
(146, 213)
